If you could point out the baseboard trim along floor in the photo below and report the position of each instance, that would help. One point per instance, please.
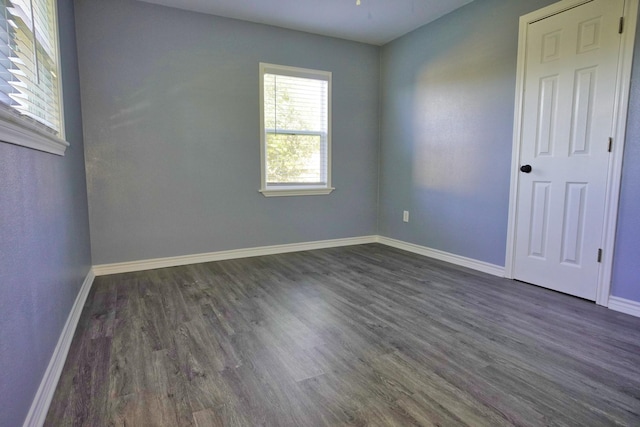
(624, 306)
(151, 264)
(42, 400)
(473, 264)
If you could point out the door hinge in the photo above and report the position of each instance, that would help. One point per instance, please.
(599, 255)
(621, 27)
(610, 144)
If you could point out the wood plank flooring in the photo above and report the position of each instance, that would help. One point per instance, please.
(357, 336)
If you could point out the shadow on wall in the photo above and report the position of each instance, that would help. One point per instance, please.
(447, 135)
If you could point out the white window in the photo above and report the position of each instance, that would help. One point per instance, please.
(30, 87)
(295, 131)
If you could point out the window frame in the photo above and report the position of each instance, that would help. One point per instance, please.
(23, 131)
(293, 189)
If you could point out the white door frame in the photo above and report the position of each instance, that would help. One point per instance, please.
(618, 130)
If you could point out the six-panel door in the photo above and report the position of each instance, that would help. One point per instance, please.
(569, 96)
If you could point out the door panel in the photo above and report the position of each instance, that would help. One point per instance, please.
(574, 213)
(539, 220)
(568, 106)
(583, 111)
(547, 116)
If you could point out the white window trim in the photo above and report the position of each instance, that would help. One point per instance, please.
(292, 190)
(17, 130)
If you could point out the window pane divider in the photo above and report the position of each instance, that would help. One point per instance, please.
(294, 132)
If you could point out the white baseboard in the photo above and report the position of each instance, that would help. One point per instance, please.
(42, 400)
(150, 264)
(473, 264)
(624, 306)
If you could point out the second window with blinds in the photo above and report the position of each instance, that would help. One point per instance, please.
(295, 124)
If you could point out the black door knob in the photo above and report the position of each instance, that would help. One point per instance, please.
(526, 168)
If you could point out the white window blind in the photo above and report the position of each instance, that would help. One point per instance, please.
(30, 92)
(295, 130)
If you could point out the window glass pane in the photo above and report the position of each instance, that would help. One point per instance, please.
(47, 62)
(295, 103)
(294, 159)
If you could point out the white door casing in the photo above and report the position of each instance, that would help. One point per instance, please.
(573, 79)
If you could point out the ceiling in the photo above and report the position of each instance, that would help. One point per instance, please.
(373, 21)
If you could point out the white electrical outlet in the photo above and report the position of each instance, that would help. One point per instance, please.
(405, 216)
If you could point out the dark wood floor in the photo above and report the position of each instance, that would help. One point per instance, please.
(364, 335)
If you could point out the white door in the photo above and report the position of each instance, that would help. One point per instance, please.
(568, 110)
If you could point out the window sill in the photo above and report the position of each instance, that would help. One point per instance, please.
(15, 131)
(281, 192)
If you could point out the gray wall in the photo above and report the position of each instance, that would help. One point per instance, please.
(44, 245)
(446, 138)
(447, 122)
(626, 272)
(171, 118)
